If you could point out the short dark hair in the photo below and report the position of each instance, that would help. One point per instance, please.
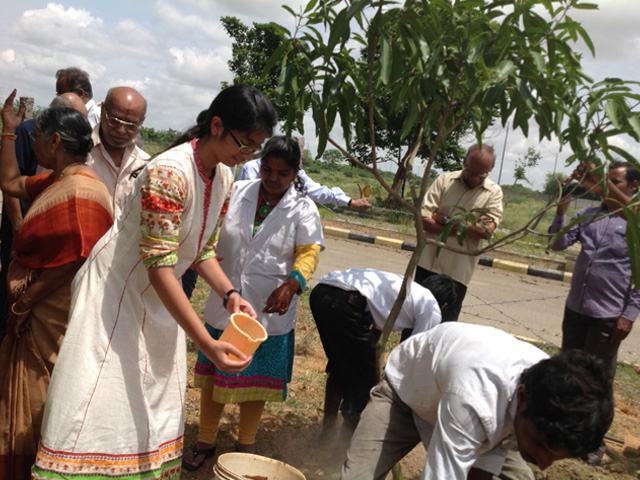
(569, 401)
(289, 151)
(442, 287)
(73, 127)
(632, 172)
(76, 79)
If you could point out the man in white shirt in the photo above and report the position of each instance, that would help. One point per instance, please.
(76, 81)
(465, 391)
(115, 156)
(315, 191)
(350, 309)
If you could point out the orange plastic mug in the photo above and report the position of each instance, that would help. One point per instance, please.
(244, 333)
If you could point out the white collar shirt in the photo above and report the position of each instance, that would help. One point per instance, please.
(93, 112)
(460, 382)
(420, 310)
(119, 180)
(315, 191)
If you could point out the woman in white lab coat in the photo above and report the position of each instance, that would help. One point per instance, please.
(270, 242)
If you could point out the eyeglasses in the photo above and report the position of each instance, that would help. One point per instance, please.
(244, 149)
(115, 122)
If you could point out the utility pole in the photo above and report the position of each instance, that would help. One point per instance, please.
(504, 147)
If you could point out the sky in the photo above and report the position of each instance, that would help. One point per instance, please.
(175, 52)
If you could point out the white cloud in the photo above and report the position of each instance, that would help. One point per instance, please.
(613, 29)
(8, 56)
(177, 22)
(200, 67)
(249, 11)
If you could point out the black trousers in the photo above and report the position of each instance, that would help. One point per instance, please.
(452, 312)
(349, 340)
(593, 335)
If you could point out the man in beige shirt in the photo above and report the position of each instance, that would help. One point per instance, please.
(115, 155)
(467, 192)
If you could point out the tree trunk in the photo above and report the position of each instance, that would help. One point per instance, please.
(27, 103)
(397, 183)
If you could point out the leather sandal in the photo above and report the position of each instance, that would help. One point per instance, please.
(206, 452)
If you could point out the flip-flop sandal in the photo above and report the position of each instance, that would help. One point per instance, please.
(207, 452)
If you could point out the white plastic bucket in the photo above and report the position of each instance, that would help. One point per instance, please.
(244, 466)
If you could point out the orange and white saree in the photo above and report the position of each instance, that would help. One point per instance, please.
(66, 219)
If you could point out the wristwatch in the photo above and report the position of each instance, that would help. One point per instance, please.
(227, 295)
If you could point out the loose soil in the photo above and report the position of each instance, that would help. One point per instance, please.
(289, 431)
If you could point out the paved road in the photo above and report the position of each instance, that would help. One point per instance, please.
(520, 304)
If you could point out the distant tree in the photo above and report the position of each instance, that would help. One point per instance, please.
(307, 158)
(162, 138)
(552, 183)
(530, 160)
(252, 47)
(333, 157)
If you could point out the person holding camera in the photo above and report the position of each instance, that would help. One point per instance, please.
(602, 303)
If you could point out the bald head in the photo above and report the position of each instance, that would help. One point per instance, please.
(126, 98)
(70, 100)
(123, 112)
(477, 165)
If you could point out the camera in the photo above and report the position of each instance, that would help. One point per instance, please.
(573, 188)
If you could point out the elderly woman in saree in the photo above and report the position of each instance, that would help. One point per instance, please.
(70, 211)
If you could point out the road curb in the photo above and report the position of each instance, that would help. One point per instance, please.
(485, 261)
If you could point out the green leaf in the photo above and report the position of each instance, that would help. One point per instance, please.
(633, 242)
(386, 61)
(276, 57)
(283, 81)
(538, 61)
(586, 38)
(409, 122)
(504, 69)
(634, 123)
(461, 232)
(612, 109)
(623, 153)
(310, 6)
(585, 6)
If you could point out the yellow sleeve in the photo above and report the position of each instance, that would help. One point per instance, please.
(305, 263)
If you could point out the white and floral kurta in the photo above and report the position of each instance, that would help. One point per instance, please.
(116, 399)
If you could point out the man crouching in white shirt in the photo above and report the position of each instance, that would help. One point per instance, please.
(466, 391)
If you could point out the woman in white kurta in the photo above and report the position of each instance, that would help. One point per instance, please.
(116, 400)
(272, 234)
